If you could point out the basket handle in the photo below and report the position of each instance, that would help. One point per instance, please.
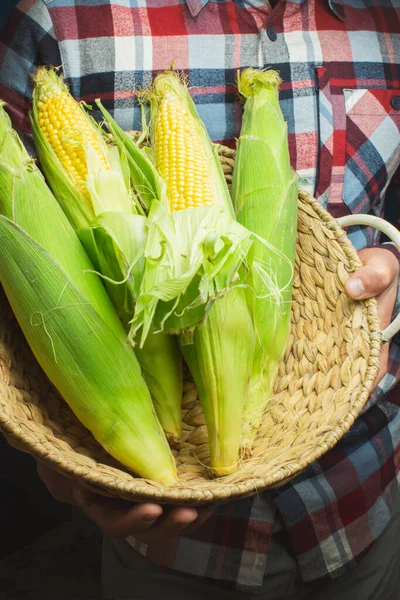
(394, 235)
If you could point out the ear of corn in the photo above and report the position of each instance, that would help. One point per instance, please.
(220, 360)
(90, 179)
(181, 158)
(194, 252)
(87, 176)
(159, 358)
(184, 155)
(159, 352)
(68, 319)
(74, 203)
(96, 373)
(26, 199)
(265, 193)
(195, 247)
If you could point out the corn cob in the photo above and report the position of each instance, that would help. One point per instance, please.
(67, 130)
(264, 194)
(219, 350)
(90, 179)
(184, 155)
(68, 319)
(180, 157)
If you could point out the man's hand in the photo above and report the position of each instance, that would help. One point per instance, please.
(377, 278)
(147, 522)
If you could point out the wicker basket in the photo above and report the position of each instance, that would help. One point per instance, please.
(324, 380)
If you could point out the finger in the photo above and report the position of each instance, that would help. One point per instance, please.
(174, 523)
(117, 518)
(204, 515)
(59, 486)
(379, 278)
(378, 274)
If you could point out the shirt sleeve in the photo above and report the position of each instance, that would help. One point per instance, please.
(392, 200)
(27, 41)
(392, 214)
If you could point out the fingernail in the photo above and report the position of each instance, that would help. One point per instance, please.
(355, 287)
(150, 519)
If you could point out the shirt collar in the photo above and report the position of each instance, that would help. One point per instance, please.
(195, 6)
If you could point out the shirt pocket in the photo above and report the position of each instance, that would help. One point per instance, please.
(372, 148)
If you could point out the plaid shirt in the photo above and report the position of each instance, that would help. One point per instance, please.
(341, 99)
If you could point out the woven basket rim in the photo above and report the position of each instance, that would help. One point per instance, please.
(139, 489)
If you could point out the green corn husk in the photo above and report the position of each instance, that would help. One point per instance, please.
(110, 223)
(145, 179)
(219, 360)
(264, 194)
(26, 200)
(68, 319)
(193, 257)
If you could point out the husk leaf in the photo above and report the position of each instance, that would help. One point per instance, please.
(96, 373)
(264, 192)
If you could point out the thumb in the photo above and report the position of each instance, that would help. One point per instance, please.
(377, 275)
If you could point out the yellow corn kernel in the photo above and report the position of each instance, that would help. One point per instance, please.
(67, 131)
(180, 157)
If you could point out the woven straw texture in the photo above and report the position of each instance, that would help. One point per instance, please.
(325, 378)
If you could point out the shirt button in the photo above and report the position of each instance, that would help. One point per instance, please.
(271, 33)
(396, 102)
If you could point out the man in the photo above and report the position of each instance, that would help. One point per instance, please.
(335, 528)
